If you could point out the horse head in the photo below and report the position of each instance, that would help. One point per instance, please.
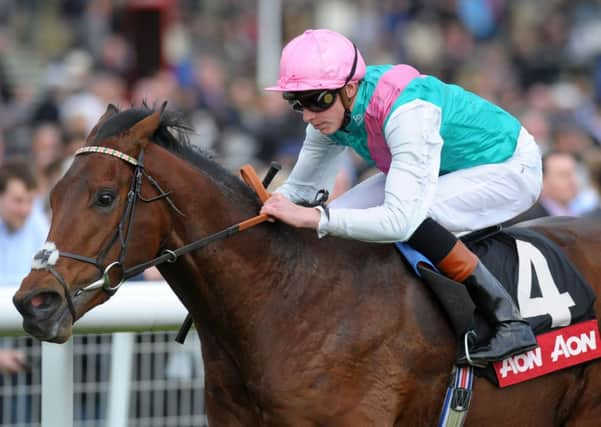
(107, 213)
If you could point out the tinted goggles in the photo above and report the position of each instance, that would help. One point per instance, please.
(313, 100)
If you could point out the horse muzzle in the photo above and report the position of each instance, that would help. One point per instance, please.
(45, 315)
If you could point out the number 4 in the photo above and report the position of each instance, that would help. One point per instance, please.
(555, 304)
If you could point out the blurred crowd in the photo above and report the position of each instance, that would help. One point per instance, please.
(63, 61)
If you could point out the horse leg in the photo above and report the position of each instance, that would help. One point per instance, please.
(226, 398)
(223, 410)
(587, 410)
(536, 403)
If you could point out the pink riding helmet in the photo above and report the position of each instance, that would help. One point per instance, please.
(318, 59)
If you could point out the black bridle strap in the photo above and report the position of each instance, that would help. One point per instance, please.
(60, 280)
(131, 208)
(77, 257)
(162, 195)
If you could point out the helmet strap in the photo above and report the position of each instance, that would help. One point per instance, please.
(346, 103)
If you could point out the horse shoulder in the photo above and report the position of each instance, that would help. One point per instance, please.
(354, 319)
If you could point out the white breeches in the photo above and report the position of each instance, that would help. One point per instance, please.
(474, 198)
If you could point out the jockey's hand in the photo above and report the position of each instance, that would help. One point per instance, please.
(280, 207)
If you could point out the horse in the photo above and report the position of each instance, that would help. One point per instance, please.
(295, 330)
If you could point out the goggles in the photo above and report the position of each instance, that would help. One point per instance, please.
(313, 100)
(318, 100)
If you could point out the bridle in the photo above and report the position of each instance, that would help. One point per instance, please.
(46, 258)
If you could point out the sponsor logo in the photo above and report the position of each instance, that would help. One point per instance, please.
(558, 349)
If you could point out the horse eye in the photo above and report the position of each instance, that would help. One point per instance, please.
(105, 199)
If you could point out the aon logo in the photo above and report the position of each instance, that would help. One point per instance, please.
(573, 346)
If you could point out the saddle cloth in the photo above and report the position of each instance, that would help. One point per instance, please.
(550, 292)
(546, 286)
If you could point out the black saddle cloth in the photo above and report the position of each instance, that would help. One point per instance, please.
(499, 253)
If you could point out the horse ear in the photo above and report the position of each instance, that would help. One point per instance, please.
(146, 127)
(111, 110)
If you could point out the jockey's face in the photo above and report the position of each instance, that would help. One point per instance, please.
(329, 121)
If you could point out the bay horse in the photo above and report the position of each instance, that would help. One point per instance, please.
(295, 330)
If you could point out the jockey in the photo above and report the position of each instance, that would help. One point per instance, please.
(450, 161)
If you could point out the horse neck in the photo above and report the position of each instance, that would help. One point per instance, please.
(227, 283)
(262, 288)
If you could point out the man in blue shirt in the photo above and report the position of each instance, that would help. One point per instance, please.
(22, 232)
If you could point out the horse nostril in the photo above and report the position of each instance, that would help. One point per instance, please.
(40, 301)
(39, 305)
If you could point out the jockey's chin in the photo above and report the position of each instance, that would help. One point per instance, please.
(326, 128)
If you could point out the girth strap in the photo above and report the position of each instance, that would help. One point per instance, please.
(458, 397)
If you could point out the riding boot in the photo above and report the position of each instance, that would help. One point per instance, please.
(513, 335)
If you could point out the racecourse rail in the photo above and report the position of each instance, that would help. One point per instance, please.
(137, 306)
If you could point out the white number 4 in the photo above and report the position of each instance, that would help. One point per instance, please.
(555, 304)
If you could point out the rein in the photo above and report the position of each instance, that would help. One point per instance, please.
(47, 257)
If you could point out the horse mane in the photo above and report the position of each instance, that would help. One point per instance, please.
(173, 135)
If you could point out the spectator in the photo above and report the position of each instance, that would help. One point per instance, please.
(12, 361)
(46, 148)
(21, 233)
(2, 147)
(560, 188)
(569, 137)
(594, 168)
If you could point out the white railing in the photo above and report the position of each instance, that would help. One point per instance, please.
(146, 306)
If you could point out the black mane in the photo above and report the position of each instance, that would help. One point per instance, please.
(172, 134)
